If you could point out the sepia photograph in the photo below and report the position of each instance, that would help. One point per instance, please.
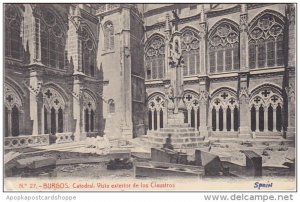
(149, 97)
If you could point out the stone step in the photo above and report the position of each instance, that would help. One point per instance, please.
(179, 145)
(174, 135)
(177, 129)
(176, 140)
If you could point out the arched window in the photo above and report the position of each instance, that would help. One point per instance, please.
(13, 40)
(52, 40)
(266, 102)
(223, 48)
(156, 112)
(266, 42)
(190, 52)
(54, 108)
(88, 53)
(13, 107)
(155, 58)
(108, 36)
(89, 113)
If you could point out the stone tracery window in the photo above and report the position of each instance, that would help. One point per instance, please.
(89, 111)
(53, 110)
(191, 113)
(13, 40)
(190, 52)
(52, 40)
(108, 36)
(223, 48)
(88, 53)
(266, 42)
(13, 112)
(156, 112)
(266, 110)
(224, 111)
(155, 58)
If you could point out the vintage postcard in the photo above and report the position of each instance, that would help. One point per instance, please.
(149, 97)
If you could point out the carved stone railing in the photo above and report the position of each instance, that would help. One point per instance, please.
(64, 137)
(103, 8)
(26, 141)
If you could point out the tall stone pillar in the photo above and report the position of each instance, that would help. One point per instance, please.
(35, 99)
(78, 108)
(244, 115)
(126, 90)
(203, 106)
(244, 38)
(202, 41)
(290, 104)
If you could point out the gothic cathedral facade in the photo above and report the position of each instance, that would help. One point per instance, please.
(79, 70)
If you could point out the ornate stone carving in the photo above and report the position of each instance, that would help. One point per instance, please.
(203, 96)
(244, 22)
(11, 97)
(224, 35)
(290, 13)
(34, 90)
(244, 93)
(290, 90)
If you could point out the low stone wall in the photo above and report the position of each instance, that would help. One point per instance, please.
(26, 141)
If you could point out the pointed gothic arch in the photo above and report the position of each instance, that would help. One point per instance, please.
(155, 57)
(190, 51)
(266, 102)
(223, 46)
(157, 111)
(266, 40)
(13, 111)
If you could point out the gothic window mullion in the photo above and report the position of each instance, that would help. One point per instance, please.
(232, 58)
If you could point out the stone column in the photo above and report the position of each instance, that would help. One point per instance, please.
(244, 37)
(189, 117)
(89, 114)
(196, 118)
(42, 121)
(9, 132)
(217, 120)
(202, 40)
(158, 119)
(232, 120)
(21, 121)
(244, 116)
(49, 121)
(274, 120)
(204, 113)
(224, 120)
(152, 121)
(257, 119)
(56, 121)
(266, 119)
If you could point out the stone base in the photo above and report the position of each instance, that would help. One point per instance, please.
(176, 119)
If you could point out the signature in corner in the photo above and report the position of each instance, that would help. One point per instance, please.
(258, 185)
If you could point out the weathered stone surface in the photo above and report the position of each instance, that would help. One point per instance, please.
(36, 162)
(161, 169)
(210, 162)
(168, 156)
(253, 162)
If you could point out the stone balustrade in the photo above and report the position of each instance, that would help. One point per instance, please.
(26, 141)
(64, 137)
